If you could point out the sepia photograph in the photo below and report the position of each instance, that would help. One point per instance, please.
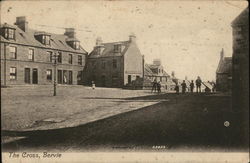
(108, 81)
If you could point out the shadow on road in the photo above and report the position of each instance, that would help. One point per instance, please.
(184, 122)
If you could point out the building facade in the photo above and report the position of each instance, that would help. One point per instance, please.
(240, 93)
(156, 72)
(224, 74)
(114, 64)
(28, 56)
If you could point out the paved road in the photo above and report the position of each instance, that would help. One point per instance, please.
(185, 122)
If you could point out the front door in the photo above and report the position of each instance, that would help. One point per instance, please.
(34, 76)
(27, 75)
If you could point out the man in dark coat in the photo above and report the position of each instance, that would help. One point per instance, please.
(198, 84)
(192, 86)
(183, 86)
(154, 86)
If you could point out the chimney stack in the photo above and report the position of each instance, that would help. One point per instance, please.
(70, 32)
(98, 41)
(22, 23)
(132, 37)
(157, 62)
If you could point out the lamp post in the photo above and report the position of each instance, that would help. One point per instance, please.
(55, 56)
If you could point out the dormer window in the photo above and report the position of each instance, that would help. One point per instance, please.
(46, 39)
(76, 45)
(9, 33)
(117, 48)
(43, 37)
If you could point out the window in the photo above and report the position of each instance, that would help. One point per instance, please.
(114, 63)
(59, 76)
(79, 60)
(129, 79)
(117, 48)
(70, 58)
(50, 56)
(13, 73)
(31, 54)
(46, 39)
(27, 75)
(9, 33)
(103, 64)
(65, 76)
(49, 74)
(59, 57)
(70, 77)
(13, 54)
(76, 45)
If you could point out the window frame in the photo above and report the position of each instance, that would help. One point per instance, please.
(13, 74)
(79, 60)
(49, 76)
(114, 63)
(70, 60)
(11, 53)
(32, 55)
(59, 59)
(50, 56)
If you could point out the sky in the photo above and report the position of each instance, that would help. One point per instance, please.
(187, 36)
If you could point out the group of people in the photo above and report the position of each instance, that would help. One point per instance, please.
(156, 86)
(198, 83)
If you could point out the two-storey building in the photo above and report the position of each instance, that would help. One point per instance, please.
(28, 56)
(114, 64)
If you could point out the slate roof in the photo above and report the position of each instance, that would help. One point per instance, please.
(225, 66)
(58, 41)
(108, 50)
(149, 70)
(242, 18)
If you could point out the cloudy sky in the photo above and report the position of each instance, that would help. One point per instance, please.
(186, 35)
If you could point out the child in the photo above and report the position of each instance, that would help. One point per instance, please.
(93, 85)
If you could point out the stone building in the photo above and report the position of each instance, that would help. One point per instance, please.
(156, 72)
(224, 73)
(114, 64)
(240, 26)
(27, 55)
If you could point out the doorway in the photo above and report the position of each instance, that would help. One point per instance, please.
(27, 75)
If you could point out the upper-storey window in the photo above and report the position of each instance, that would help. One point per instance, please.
(76, 45)
(13, 52)
(117, 48)
(31, 55)
(9, 33)
(46, 39)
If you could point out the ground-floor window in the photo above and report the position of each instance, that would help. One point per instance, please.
(13, 73)
(49, 74)
(129, 78)
(59, 76)
(27, 75)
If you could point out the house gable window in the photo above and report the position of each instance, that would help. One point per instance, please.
(31, 55)
(103, 65)
(13, 73)
(117, 48)
(13, 52)
(9, 33)
(46, 39)
(76, 45)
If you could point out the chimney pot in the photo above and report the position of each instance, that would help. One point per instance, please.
(22, 23)
(70, 32)
(132, 37)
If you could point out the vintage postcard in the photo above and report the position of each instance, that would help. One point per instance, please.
(124, 81)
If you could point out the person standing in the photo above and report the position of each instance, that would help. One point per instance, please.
(183, 86)
(154, 86)
(198, 84)
(159, 87)
(192, 86)
(176, 88)
(93, 85)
